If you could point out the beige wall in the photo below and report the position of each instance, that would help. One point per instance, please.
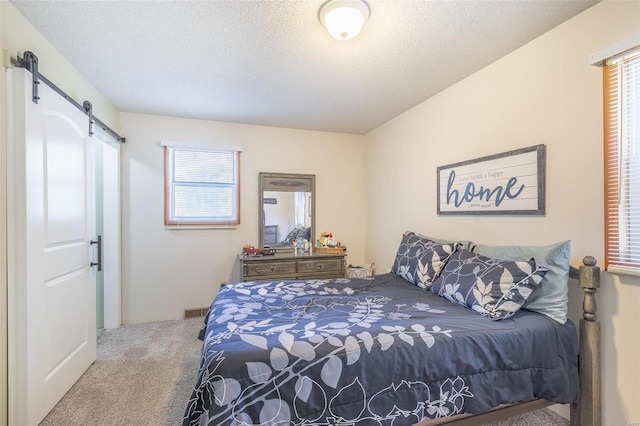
(166, 271)
(543, 93)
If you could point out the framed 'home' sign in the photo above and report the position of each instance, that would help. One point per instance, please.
(503, 184)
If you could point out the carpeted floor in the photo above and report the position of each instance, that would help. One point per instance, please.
(144, 375)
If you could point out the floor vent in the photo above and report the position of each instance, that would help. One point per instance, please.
(195, 313)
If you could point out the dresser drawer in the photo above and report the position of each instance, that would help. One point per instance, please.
(291, 266)
(320, 265)
(259, 269)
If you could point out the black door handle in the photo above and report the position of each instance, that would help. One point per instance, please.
(99, 262)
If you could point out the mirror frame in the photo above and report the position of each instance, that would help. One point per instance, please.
(286, 182)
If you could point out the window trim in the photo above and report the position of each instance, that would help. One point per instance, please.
(198, 224)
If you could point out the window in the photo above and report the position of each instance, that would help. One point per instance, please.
(622, 162)
(202, 187)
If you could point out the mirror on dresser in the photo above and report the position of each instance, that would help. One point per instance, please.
(287, 209)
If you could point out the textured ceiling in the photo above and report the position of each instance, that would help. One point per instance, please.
(272, 63)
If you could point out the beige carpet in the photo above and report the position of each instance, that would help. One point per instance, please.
(144, 375)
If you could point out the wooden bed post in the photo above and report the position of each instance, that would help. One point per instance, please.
(587, 411)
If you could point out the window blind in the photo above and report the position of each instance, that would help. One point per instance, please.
(201, 187)
(622, 162)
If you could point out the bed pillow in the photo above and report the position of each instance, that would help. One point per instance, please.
(291, 236)
(493, 287)
(467, 245)
(551, 297)
(304, 234)
(419, 260)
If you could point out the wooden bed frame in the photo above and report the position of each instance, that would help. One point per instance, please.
(586, 412)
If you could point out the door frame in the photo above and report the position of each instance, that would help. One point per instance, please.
(112, 230)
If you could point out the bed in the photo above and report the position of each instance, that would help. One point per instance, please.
(386, 350)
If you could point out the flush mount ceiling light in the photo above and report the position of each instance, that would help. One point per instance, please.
(344, 18)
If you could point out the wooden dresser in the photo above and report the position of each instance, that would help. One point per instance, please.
(289, 267)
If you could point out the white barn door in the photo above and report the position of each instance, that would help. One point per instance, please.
(52, 307)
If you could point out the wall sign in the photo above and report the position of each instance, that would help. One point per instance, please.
(503, 184)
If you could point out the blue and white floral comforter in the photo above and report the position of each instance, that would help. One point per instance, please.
(369, 351)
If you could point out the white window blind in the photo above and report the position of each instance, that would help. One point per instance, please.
(622, 162)
(202, 187)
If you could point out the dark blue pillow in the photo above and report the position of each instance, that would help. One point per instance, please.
(304, 234)
(291, 236)
(419, 260)
(492, 287)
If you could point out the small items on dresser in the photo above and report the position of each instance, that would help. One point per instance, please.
(327, 240)
(249, 250)
(328, 244)
(301, 246)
